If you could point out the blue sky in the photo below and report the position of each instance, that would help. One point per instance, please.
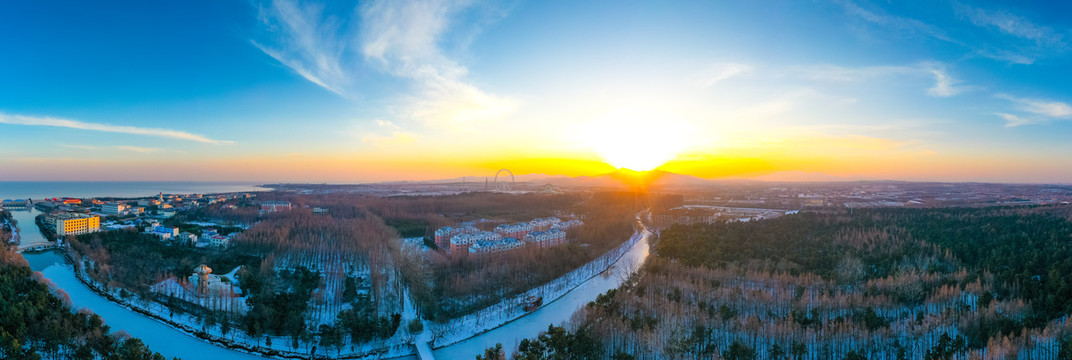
(347, 91)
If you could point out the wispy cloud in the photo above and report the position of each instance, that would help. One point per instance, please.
(945, 84)
(403, 38)
(1026, 41)
(1014, 121)
(1013, 25)
(722, 71)
(307, 41)
(79, 147)
(74, 124)
(1041, 111)
(138, 149)
(1049, 108)
(396, 37)
(900, 24)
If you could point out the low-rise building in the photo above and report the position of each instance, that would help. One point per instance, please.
(113, 208)
(220, 241)
(459, 244)
(210, 237)
(517, 231)
(444, 234)
(547, 238)
(74, 223)
(187, 238)
(565, 225)
(544, 223)
(488, 247)
(273, 206)
(163, 232)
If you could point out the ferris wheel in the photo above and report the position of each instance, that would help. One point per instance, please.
(503, 185)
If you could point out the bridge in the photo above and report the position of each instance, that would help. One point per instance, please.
(424, 352)
(39, 246)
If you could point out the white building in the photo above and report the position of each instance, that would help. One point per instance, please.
(113, 208)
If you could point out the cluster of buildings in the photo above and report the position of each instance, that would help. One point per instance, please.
(209, 237)
(468, 239)
(159, 206)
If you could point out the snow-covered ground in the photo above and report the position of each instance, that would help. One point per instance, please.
(399, 345)
(511, 309)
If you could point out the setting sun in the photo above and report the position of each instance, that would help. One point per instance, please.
(634, 139)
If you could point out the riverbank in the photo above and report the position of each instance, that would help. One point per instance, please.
(211, 336)
(510, 310)
(501, 320)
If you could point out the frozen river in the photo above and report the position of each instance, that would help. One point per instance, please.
(555, 313)
(156, 335)
(172, 342)
(30, 234)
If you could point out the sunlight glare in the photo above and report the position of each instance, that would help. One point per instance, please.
(639, 140)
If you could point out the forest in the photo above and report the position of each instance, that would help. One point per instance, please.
(7, 226)
(36, 323)
(339, 277)
(951, 283)
(134, 261)
(450, 286)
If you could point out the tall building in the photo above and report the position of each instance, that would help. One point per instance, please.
(75, 223)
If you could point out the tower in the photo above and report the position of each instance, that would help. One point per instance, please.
(202, 279)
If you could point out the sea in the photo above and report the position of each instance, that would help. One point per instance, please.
(127, 189)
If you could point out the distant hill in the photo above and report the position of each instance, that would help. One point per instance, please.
(800, 176)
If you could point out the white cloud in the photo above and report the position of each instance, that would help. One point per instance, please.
(902, 24)
(400, 38)
(138, 149)
(1013, 25)
(404, 37)
(1013, 120)
(1048, 108)
(79, 147)
(945, 85)
(722, 71)
(73, 124)
(307, 42)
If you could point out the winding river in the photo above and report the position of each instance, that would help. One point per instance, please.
(172, 342)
